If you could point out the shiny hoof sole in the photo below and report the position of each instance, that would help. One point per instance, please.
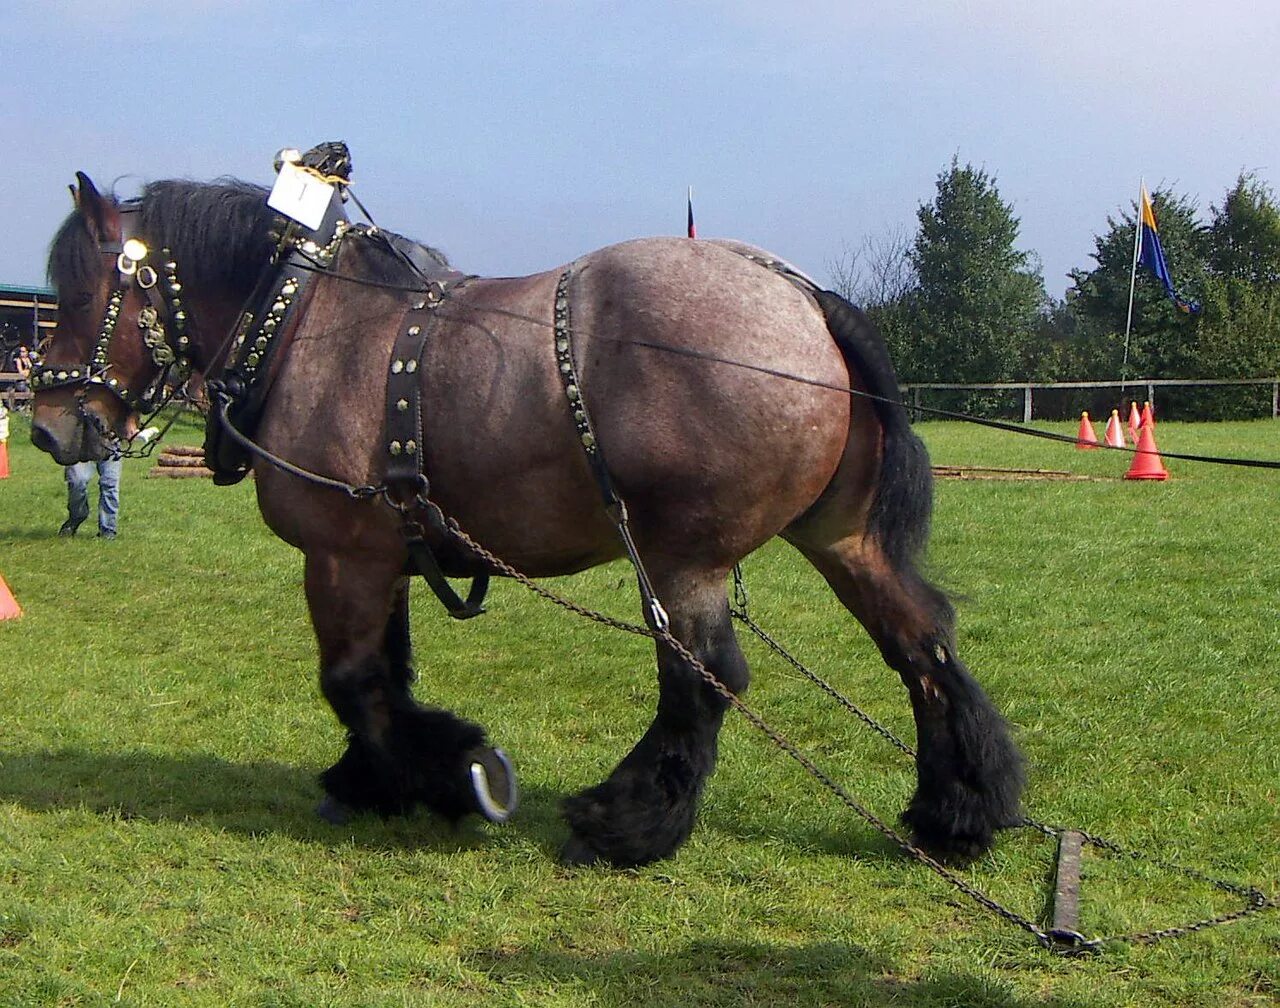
(493, 783)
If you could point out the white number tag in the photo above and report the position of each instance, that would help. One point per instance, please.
(300, 195)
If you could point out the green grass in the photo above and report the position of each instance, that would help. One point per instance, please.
(162, 729)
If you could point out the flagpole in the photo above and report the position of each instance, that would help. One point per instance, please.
(1133, 279)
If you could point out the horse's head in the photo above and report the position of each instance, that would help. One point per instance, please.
(146, 291)
(116, 310)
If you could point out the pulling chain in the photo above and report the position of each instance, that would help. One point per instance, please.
(1255, 899)
(665, 636)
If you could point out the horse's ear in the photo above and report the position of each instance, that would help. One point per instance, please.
(99, 213)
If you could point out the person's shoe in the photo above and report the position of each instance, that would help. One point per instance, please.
(106, 535)
(68, 529)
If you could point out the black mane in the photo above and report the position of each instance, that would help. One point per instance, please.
(217, 232)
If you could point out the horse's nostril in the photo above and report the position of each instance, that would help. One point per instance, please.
(42, 439)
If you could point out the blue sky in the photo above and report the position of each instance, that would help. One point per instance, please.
(516, 136)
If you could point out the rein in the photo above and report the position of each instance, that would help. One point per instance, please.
(944, 414)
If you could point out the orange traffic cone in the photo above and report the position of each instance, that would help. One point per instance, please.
(1135, 420)
(1115, 436)
(1148, 415)
(4, 459)
(9, 608)
(1146, 463)
(1086, 438)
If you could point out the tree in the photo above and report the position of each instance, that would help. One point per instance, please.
(978, 300)
(878, 277)
(1244, 235)
(1239, 333)
(1162, 336)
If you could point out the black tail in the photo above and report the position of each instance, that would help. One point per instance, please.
(903, 503)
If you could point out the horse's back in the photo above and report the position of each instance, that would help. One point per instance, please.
(712, 380)
(683, 350)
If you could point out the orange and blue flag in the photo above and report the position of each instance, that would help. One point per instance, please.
(1152, 253)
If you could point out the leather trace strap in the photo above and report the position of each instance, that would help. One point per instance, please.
(655, 615)
(407, 487)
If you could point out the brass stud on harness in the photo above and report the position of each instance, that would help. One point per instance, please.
(394, 448)
(397, 366)
(411, 366)
(402, 404)
(410, 446)
(414, 330)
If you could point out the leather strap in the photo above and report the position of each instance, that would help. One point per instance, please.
(405, 476)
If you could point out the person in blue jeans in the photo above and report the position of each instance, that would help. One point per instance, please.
(78, 477)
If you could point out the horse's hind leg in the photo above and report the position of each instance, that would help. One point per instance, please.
(969, 773)
(646, 808)
(399, 752)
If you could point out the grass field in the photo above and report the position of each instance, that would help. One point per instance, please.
(161, 729)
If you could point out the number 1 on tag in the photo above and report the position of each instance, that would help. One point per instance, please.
(300, 196)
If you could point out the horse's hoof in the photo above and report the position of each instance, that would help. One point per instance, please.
(577, 853)
(493, 782)
(333, 811)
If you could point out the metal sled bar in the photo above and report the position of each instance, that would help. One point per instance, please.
(1065, 928)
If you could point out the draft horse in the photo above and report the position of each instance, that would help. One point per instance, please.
(807, 441)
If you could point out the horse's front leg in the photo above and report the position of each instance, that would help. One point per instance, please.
(399, 753)
(646, 808)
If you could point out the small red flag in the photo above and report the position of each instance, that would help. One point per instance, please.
(693, 231)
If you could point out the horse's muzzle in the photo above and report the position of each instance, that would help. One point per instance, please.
(73, 442)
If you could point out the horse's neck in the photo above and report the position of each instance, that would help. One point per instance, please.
(213, 319)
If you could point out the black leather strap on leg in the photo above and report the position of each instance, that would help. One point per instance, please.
(405, 478)
(424, 562)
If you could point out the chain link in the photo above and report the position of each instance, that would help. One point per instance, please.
(1256, 900)
(781, 741)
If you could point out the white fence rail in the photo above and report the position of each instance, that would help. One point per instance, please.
(911, 392)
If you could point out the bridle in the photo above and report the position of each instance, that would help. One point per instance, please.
(162, 322)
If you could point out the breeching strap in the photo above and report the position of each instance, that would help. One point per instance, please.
(615, 507)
